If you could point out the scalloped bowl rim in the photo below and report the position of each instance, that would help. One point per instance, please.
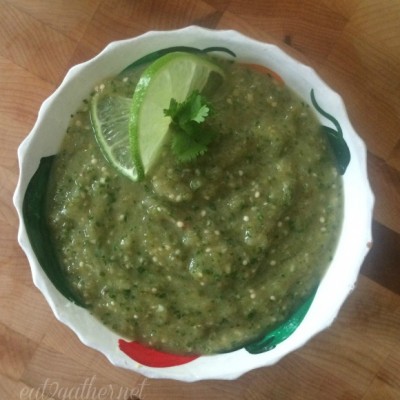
(354, 241)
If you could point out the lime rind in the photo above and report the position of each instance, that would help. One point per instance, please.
(110, 119)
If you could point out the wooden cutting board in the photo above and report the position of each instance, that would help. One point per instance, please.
(355, 46)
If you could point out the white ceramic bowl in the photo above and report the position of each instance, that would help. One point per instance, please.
(339, 280)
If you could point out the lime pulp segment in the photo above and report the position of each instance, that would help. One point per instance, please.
(110, 118)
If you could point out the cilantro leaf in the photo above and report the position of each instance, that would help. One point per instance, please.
(185, 148)
(199, 108)
(190, 135)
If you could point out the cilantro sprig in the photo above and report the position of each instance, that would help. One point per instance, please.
(190, 134)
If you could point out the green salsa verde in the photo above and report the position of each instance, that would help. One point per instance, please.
(205, 256)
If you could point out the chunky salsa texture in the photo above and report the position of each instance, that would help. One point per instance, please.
(206, 256)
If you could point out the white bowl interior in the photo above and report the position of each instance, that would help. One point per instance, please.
(353, 245)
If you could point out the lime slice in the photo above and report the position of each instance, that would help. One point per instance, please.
(130, 132)
(110, 118)
(175, 75)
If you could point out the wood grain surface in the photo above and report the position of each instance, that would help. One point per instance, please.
(355, 46)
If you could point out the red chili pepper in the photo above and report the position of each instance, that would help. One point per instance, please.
(152, 358)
